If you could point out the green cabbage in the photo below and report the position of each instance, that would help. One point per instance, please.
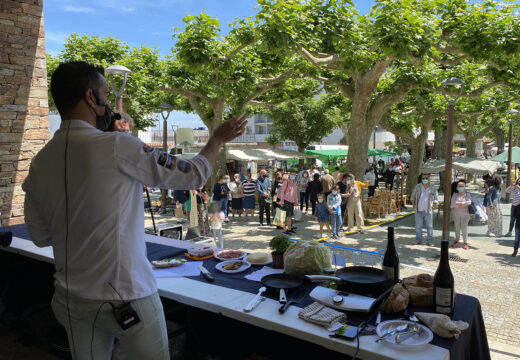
(307, 258)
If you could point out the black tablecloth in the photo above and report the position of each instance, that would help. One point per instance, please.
(471, 345)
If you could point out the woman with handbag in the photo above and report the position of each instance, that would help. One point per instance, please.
(460, 202)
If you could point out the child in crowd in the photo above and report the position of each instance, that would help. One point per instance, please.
(216, 220)
(334, 204)
(321, 213)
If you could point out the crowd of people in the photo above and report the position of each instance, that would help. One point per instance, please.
(332, 199)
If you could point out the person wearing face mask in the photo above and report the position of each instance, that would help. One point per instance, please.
(370, 177)
(303, 184)
(354, 207)
(334, 206)
(84, 197)
(322, 214)
(493, 208)
(263, 185)
(460, 201)
(220, 195)
(327, 181)
(424, 199)
(514, 188)
(235, 187)
(315, 188)
(289, 199)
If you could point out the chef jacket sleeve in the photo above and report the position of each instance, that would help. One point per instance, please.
(153, 167)
(39, 230)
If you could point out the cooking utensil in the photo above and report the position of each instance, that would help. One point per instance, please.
(398, 329)
(283, 296)
(399, 338)
(256, 300)
(294, 298)
(206, 273)
(360, 280)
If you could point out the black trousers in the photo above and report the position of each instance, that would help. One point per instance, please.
(313, 205)
(371, 190)
(263, 206)
(304, 197)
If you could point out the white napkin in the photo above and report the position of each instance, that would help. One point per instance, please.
(189, 268)
(442, 325)
(259, 274)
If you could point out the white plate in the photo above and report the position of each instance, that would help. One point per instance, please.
(260, 263)
(423, 337)
(224, 259)
(245, 265)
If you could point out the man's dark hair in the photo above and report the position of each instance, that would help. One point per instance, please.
(70, 80)
(316, 176)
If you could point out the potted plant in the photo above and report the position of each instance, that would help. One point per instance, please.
(279, 244)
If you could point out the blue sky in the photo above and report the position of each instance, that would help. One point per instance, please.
(140, 22)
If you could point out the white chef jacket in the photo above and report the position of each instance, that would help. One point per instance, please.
(105, 173)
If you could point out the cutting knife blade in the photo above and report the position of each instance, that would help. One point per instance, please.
(206, 273)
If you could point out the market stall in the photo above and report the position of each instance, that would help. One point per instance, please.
(464, 165)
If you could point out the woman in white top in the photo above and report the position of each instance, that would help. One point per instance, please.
(460, 202)
(235, 187)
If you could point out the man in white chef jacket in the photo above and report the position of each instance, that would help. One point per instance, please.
(83, 196)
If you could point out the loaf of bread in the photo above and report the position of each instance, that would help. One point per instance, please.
(420, 288)
(397, 301)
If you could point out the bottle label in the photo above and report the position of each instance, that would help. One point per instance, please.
(390, 271)
(443, 300)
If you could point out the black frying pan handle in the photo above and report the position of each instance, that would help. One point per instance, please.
(284, 307)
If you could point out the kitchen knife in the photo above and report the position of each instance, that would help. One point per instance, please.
(206, 273)
(294, 298)
(256, 300)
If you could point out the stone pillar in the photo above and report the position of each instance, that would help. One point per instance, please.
(24, 109)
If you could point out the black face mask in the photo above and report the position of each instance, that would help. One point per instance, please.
(106, 122)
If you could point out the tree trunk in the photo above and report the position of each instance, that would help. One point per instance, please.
(220, 165)
(499, 139)
(417, 147)
(301, 162)
(439, 147)
(470, 145)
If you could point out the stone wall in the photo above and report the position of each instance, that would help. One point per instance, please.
(24, 112)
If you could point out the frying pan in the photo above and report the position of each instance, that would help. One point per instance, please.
(281, 281)
(362, 280)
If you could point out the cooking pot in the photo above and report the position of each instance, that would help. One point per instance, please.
(361, 280)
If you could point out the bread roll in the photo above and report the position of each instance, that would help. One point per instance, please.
(397, 301)
(259, 258)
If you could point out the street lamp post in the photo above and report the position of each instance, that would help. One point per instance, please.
(118, 70)
(165, 113)
(513, 112)
(453, 81)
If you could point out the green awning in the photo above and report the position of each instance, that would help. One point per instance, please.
(515, 156)
(382, 153)
(326, 155)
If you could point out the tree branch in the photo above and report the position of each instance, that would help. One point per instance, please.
(450, 62)
(188, 92)
(263, 89)
(233, 53)
(265, 104)
(448, 50)
(321, 59)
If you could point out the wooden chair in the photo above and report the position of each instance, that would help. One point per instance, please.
(440, 206)
(376, 206)
(366, 205)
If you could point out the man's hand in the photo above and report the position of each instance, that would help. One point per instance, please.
(265, 195)
(229, 130)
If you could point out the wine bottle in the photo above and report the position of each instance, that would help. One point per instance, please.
(391, 260)
(444, 284)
